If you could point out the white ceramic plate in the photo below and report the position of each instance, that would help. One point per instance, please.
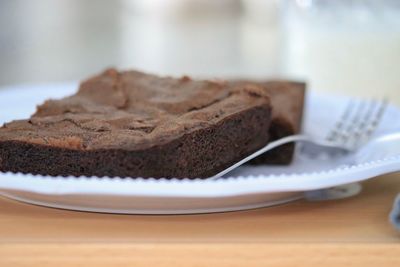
(247, 187)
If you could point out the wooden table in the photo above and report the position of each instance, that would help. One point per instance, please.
(342, 232)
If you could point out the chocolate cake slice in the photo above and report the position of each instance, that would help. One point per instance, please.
(131, 124)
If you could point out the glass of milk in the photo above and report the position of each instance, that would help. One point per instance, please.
(344, 46)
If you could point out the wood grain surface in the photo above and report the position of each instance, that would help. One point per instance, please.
(352, 231)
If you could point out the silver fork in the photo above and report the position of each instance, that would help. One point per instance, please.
(353, 129)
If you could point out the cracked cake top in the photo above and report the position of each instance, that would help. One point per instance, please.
(133, 110)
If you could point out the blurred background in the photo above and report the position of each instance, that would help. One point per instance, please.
(341, 46)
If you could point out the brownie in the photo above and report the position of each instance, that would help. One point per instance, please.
(287, 99)
(131, 124)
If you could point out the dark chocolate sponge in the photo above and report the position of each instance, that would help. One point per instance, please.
(140, 125)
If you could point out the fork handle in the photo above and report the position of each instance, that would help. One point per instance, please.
(270, 146)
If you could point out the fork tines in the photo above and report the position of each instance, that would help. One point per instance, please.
(357, 123)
